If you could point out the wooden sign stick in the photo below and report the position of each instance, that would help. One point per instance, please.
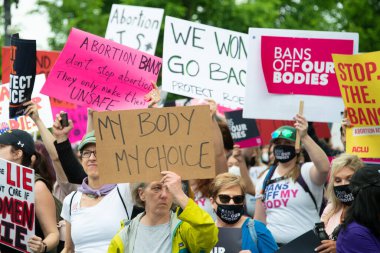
(298, 137)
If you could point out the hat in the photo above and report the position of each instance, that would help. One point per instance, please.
(364, 178)
(89, 138)
(19, 139)
(284, 132)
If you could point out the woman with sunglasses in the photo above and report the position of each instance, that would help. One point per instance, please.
(227, 198)
(289, 196)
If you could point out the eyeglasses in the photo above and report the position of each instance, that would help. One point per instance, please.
(87, 153)
(238, 199)
(285, 133)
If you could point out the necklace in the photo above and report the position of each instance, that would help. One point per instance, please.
(92, 196)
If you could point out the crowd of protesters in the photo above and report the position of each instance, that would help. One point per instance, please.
(272, 194)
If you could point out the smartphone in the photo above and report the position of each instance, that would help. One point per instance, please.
(64, 119)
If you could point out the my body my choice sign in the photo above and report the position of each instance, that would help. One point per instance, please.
(202, 61)
(136, 145)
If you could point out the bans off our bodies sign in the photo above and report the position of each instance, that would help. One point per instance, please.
(136, 145)
(16, 205)
(286, 66)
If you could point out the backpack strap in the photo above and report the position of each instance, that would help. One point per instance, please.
(71, 201)
(269, 175)
(306, 188)
(252, 230)
(122, 201)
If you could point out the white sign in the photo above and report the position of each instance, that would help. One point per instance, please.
(16, 205)
(134, 26)
(260, 104)
(25, 122)
(201, 61)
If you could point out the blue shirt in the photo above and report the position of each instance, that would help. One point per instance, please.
(265, 240)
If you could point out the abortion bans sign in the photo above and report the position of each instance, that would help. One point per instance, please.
(136, 145)
(16, 205)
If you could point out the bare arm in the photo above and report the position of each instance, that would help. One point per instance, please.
(48, 140)
(69, 245)
(260, 211)
(45, 212)
(321, 168)
(236, 153)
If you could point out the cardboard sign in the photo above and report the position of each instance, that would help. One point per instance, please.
(17, 205)
(23, 74)
(202, 61)
(79, 117)
(104, 75)
(301, 65)
(25, 122)
(229, 240)
(359, 80)
(45, 62)
(135, 26)
(293, 63)
(244, 131)
(136, 145)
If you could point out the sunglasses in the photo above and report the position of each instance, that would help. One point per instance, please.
(225, 199)
(285, 133)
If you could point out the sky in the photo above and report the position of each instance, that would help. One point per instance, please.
(31, 26)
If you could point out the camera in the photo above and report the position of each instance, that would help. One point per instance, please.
(319, 231)
(64, 120)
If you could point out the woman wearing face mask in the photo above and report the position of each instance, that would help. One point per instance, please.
(340, 197)
(289, 195)
(227, 198)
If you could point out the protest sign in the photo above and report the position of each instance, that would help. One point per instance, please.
(286, 66)
(95, 72)
(229, 240)
(44, 62)
(79, 117)
(23, 74)
(16, 205)
(244, 131)
(135, 26)
(359, 80)
(202, 61)
(25, 122)
(136, 145)
(305, 243)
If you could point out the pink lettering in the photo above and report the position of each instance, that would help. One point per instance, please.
(294, 192)
(268, 204)
(201, 201)
(277, 203)
(285, 194)
(285, 201)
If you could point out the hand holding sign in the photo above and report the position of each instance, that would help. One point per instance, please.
(36, 244)
(173, 183)
(301, 125)
(32, 110)
(154, 96)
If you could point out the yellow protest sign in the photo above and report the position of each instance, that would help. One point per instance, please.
(136, 145)
(359, 81)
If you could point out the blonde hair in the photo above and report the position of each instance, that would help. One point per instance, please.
(226, 180)
(342, 161)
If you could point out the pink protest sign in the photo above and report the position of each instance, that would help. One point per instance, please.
(95, 72)
(79, 118)
(302, 65)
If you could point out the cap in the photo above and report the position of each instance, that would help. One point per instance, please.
(285, 132)
(89, 138)
(19, 139)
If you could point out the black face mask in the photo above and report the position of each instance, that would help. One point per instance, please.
(284, 153)
(230, 214)
(344, 194)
